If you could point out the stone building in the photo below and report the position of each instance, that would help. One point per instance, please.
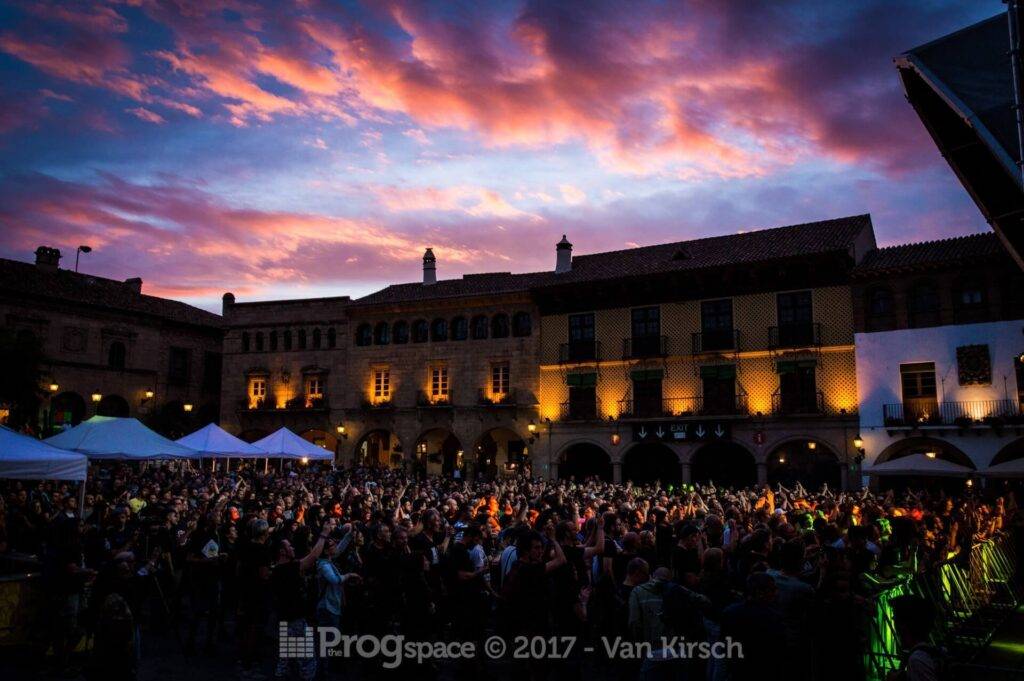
(939, 342)
(107, 347)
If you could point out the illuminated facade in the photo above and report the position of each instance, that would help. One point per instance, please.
(939, 340)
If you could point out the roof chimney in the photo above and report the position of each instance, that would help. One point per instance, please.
(134, 284)
(429, 267)
(563, 256)
(227, 301)
(47, 258)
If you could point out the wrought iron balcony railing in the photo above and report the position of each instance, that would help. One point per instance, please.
(638, 347)
(580, 410)
(683, 406)
(798, 403)
(579, 351)
(931, 412)
(716, 340)
(797, 335)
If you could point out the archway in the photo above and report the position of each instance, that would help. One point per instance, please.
(439, 452)
(500, 451)
(649, 462)
(379, 449)
(67, 409)
(585, 460)
(808, 462)
(322, 438)
(933, 447)
(1011, 452)
(726, 464)
(113, 405)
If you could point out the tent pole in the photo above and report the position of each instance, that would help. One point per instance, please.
(81, 499)
(266, 464)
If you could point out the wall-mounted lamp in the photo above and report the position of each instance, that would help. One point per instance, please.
(531, 426)
(970, 483)
(54, 387)
(149, 394)
(97, 396)
(812, 445)
(930, 455)
(616, 439)
(304, 460)
(858, 442)
(782, 458)
(342, 432)
(187, 407)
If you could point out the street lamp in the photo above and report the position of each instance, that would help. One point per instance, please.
(187, 407)
(149, 394)
(858, 442)
(79, 251)
(342, 432)
(54, 387)
(97, 396)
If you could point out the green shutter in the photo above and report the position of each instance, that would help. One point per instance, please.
(581, 380)
(718, 371)
(647, 374)
(793, 366)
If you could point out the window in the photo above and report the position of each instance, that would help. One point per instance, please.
(716, 326)
(273, 341)
(646, 332)
(257, 391)
(647, 392)
(400, 332)
(302, 339)
(332, 338)
(439, 330)
(382, 333)
(522, 324)
(288, 339)
(879, 308)
(116, 355)
(439, 384)
(259, 341)
(718, 383)
(969, 302)
(314, 390)
(459, 329)
(478, 327)
(419, 331)
(499, 325)
(581, 346)
(245, 341)
(317, 339)
(364, 335)
(582, 403)
(923, 306)
(178, 366)
(917, 381)
(798, 390)
(381, 385)
(499, 379)
(796, 317)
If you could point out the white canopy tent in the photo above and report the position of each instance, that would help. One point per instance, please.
(285, 444)
(1007, 469)
(122, 439)
(212, 441)
(26, 458)
(920, 464)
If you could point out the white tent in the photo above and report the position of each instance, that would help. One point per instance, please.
(919, 464)
(124, 439)
(285, 444)
(212, 441)
(26, 458)
(1007, 469)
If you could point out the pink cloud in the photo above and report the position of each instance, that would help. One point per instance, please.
(146, 115)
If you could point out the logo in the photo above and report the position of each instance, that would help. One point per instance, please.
(295, 640)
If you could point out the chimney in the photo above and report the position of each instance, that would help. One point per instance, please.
(227, 301)
(429, 268)
(134, 284)
(47, 258)
(563, 256)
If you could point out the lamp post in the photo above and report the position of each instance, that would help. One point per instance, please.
(79, 251)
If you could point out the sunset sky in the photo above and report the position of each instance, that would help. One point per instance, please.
(315, 148)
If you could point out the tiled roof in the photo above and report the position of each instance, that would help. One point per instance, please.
(30, 281)
(931, 253)
(825, 236)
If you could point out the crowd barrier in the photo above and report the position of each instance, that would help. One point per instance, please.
(973, 595)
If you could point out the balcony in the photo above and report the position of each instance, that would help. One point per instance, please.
(798, 403)
(485, 399)
(670, 407)
(580, 410)
(378, 404)
(425, 401)
(789, 336)
(639, 347)
(930, 412)
(579, 351)
(716, 340)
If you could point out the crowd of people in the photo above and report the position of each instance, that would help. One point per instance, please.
(218, 559)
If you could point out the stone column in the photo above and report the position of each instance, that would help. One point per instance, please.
(762, 473)
(687, 473)
(617, 472)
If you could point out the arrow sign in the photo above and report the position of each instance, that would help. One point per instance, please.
(700, 432)
(676, 431)
(660, 433)
(642, 432)
(719, 431)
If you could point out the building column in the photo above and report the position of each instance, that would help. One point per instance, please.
(687, 474)
(617, 472)
(762, 473)
(844, 475)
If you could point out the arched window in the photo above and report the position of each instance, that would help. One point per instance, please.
(364, 335)
(382, 333)
(879, 309)
(419, 331)
(259, 341)
(273, 341)
(522, 325)
(332, 338)
(317, 338)
(302, 339)
(923, 305)
(439, 330)
(969, 303)
(459, 329)
(499, 325)
(115, 355)
(400, 332)
(245, 341)
(287, 339)
(478, 327)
